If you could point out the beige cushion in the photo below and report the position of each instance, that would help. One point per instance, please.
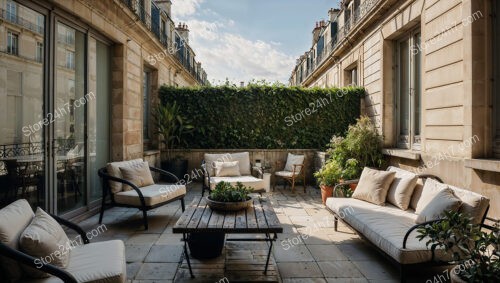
(153, 194)
(443, 201)
(14, 218)
(287, 174)
(385, 226)
(227, 169)
(473, 204)
(250, 181)
(401, 188)
(114, 170)
(373, 186)
(45, 239)
(293, 159)
(99, 262)
(417, 193)
(429, 191)
(242, 157)
(138, 174)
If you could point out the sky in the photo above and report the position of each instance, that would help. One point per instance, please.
(243, 40)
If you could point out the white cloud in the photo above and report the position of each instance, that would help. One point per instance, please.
(226, 54)
(182, 8)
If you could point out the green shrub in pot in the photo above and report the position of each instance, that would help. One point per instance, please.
(225, 192)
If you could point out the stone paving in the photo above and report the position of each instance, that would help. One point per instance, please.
(309, 250)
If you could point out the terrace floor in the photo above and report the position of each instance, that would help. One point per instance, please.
(309, 250)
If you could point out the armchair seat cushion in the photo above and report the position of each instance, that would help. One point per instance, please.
(286, 174)
(153, 194)
(95, 262)
(249, 181)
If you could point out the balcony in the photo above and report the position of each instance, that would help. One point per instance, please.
(20, 21)
(152, 23)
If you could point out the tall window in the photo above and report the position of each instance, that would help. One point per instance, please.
(408, 91)
(146, 106)
(70, 60)
(11, 11)
(39, 52)
(163, 28)
(12, 43)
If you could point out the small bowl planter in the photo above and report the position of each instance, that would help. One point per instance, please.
(228, 206)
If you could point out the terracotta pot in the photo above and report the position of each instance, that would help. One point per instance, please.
(353, 186)
(326, 192)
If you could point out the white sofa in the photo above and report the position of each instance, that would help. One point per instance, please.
(393, 230)
(92, 262)
(246, 178)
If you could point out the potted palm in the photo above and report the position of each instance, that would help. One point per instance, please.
(173, 127)
(474, 250)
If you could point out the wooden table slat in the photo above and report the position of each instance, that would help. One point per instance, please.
(229, 220)
(259, 214)
(205, 218)
(272, 219)
(241, 219)
(195, 220)
(216, 220)
(188, 213)
(251, 219)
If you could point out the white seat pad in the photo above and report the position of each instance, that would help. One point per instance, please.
(286, 174)
(385, 226)
(250, 181)
(153, 194)
(100, 262)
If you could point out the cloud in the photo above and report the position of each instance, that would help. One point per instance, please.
(182, 8)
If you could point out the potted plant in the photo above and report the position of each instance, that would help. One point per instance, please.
(173, 127)
(474, 250)
(226, 197)
(327, 177)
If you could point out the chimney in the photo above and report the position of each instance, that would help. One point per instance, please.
(183, 31)
(333, 13)
(165, 5)
(315, 32)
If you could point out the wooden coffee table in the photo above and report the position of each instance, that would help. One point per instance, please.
(258, 218)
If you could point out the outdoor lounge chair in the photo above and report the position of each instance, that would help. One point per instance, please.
(294, 170)
(143, 198)
(89, 262)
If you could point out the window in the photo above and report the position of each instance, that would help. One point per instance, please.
(40, 21)
(70, 37)
(39, 52)
(146, 92)
(354, 77)
(11, 12)
(12, 43)
(163, 28)
(70, 60)
(408, 91)
(496, 80)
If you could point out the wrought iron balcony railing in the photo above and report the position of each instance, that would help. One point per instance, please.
(20, 21)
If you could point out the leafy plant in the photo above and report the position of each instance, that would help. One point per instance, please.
(262, 115)
(329, 174)
(225, 192)
(172, 125)
(456, 234)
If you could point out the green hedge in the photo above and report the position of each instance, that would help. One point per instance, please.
(265, 116)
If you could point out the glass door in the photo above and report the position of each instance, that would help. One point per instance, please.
(69, 116)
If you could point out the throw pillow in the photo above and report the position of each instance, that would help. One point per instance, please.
(429, 191)
(373, 185)
(113, 169)
(138, 174)
(443, 201)
(402, 187)
(45, 240)
(293, 159)
(227, 169)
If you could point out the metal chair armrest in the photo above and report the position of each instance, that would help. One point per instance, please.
(348, 182)
(72, 226)
(164, 173)
(405, 239)
(107, 177)
(425, 176)
(36, 263)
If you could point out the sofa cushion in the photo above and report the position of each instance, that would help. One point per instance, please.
(385, 226)
(153, 194)
(473, 204)
(293, 159)
(250, 181)
(287, 174)
(242, 157)
(138, 174)
(417, 193)
(373, 185)
(443, 201)
(45, 240)
(113, 169)
(429, 191)
(99, 262)
(14, 218)
(227, 169)
(402, 187)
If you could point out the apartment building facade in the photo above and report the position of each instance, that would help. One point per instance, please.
(431, 69)
(78, 85)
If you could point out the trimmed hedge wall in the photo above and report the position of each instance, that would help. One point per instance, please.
(264, 117)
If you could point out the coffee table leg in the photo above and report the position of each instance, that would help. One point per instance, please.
(187, 254)
(271, 240)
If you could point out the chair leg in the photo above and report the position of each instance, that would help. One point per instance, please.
(183, 206)
(274, 183)
(145, 215)
(293, 185)
(304, 182)
(335, 223)
(102, 209)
